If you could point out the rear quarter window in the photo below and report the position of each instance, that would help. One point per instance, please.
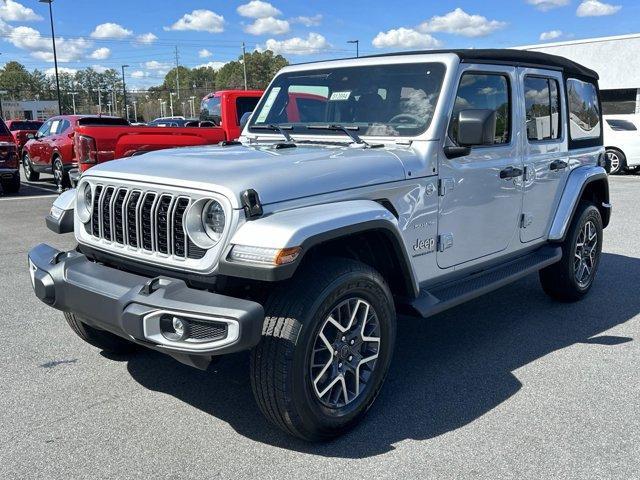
(584, 110)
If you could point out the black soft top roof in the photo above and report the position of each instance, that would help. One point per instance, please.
(503, 56)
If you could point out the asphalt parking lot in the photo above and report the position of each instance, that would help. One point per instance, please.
(511, 385)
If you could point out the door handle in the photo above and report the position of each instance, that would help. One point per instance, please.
(510, 172)
(558, 165)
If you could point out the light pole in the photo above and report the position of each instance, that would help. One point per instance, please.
(171, 94)
(99, 101)
(192, 100)
(109, 105)
(2, 93)
(55, 56)
(124, 93)
(160, 101)
(135, 110)
(357, 42)
(73, 96)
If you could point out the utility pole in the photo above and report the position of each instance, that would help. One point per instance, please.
(55, 55)
(177, 73)
(244, 65)
(357, 42)
(171, 94)
(124, 93)
(73, 96)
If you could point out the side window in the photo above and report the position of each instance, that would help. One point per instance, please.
(244, 105)
(484, 91)
(584, 111)
(542, 106)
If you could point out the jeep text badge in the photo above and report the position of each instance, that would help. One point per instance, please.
(424, 246)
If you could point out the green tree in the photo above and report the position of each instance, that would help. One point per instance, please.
(261, 68)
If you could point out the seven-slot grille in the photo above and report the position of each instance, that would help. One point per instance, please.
(145, 220)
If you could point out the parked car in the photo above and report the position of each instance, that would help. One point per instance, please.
(418, 186)
(21, 129)
(9, 161)
(96, 144)
(51, 150)
(622, 141)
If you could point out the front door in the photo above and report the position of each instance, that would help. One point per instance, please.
(546, 158)
(480, 193)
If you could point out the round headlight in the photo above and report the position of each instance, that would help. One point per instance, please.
(213, 220)
(84, 202)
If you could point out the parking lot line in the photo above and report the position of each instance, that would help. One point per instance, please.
(30, 197)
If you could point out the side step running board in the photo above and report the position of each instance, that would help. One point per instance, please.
(441, 297)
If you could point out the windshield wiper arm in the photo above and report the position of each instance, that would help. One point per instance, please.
(281, 129)
(349, 131)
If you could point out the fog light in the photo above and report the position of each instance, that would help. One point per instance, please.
(173, 328)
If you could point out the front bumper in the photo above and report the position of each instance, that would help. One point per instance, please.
(8, 173)
(130, 305)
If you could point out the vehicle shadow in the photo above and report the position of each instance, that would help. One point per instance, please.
(447, 371)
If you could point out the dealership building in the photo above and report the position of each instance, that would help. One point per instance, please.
(617, 61)
(28, 110)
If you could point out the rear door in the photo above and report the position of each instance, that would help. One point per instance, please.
(545, 147)
(480, 209)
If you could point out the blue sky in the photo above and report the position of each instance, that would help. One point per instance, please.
(144, 33)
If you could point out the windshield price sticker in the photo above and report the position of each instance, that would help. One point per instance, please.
(340, 96)
(267, 105)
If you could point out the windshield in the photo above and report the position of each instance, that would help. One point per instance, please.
(380, 100)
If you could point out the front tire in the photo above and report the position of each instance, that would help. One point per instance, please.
(30, 174)
(326, 347)
(99, 338)
(571, 278)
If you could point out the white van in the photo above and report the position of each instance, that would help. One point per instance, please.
(622, 141)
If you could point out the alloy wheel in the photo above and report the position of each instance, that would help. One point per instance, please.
(345, 353)
(614, 161)
(585, 256)
(26, 164)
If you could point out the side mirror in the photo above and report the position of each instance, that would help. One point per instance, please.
(245, 119)
(30, 136)
(476, 127)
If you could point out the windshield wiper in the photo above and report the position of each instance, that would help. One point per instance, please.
(349, 131)
(281, 129)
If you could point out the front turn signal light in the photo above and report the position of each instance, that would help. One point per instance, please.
(264, 256)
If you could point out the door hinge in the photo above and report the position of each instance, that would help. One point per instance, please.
(445, 241)
(445, 185)
(526, 220)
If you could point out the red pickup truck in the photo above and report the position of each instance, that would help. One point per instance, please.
(220, 117)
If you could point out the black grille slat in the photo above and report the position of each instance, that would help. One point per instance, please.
(179, 246)
(194, 251)
(95, 216)
(132, 227)
(162, 220)
(117, 215)
(106, 213)
(146, 222)
(207, 331)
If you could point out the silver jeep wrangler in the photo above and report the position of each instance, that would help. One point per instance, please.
(407, 182)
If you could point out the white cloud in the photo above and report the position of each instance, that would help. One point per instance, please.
(546, 5)
(101, 54)
(110, 30)
(156, 65)
(27, 38)
(200, 21)
(258, 9)
(404, 38)
(268, 25)
(51, 72)
(459, 22)
(146, 38)
(204, 53)
(550, 35)
(139, 74)
(595, 8)
(314, 43)
(214, 65)
(16, 12)
(313, 21)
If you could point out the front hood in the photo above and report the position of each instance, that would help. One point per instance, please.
(276, 174)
